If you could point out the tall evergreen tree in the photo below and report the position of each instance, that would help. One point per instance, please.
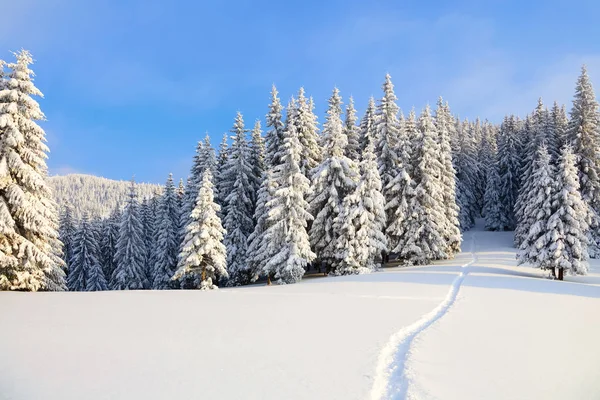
(495, 219)
(257, 160)
(30, 250)
(167, 238)
(288, 252)
(368, 126)
(467, 172)
(362, 221)
(425, 236)
(332, 180)
(509, 165)
(66, 233)
(238, 205)
(352, 132)
(584, 134)
(86, 272)
(108, 243)
(567, 230)
(305, 120)
(220, 177)
(203, 253)
(130, 271)
(274, 135)
(560, 123)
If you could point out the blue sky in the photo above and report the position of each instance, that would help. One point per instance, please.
(131, 85)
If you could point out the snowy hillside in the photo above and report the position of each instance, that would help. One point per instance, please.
(470, 328)
(95, 195)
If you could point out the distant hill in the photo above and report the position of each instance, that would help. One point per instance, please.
(95, 195)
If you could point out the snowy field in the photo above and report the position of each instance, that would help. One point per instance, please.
(476, 327)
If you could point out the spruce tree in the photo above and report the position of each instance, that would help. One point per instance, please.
(451, 224)
(332, 180)
(203, 254)
(288, 250)
(387, 136)
(467, 170)
(495, 219)
(221, 191)
(238, 205)
(534, 248)
(275, 128)
(257, 160)
(584, 134)
(258, 248)
(305, 120)
(352, 132)
(30, 250)
(86, 272)
(362, 221)
(167, 238)
(368, 126)
(108, 243)
(66, 233)
(130, 271)
(425, 236)
(509, 165)
(567, 231)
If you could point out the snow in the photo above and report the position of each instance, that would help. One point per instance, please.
(503, 332)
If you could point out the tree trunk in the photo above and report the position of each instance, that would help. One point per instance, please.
(553, 271)
(560, 274)
(269, 280)
(203, 274)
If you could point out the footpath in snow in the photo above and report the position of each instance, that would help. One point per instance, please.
(470, 328)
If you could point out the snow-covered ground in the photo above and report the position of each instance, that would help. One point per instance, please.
(476, 327)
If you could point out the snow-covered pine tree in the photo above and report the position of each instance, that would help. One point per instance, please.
(274, 135)
(451, 224)
(258, 247)
(221, 191)
(305, 120)
(534, 248)
(287, 243)
(475, 134)
(210, 157)
(257, 161)
(167, 238)
(401, 189)
(30, 250)
(191, 188)
(387, 137)
(203, 254)
(362, 221)
(148, 236)
(85, 270)
(584, 134)
(130, 271)
(239, 213)
(332, 180)
(567, 230)
(495, 219)
(509, 167)
(66, 233)
(560, 123)
(352, 132)
(108, 243)
(425, 237)
(368, 125)
(467, 171)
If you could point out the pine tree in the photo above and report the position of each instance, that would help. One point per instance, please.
(584, 134)
(258, 254)
(451, 224)
(274, 135)
(352, 132)
(167, 238)
(148, 236)
(467, 172)
(287, 243)
(368, 126)
(85, 270)
(567, 231)
(305, 120)
(238, 205)
(425, 236)
(332, 180)
(191, 189)
(203, 253)
(560, 122)
(220, 181)
(387, 137)
(130, 272)
(66, 233)
(401, 189)
(30, 250)
(108, 242)
(257, 161)
(535, 248)
(362, 221)
(495, 219)
(509, 165)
